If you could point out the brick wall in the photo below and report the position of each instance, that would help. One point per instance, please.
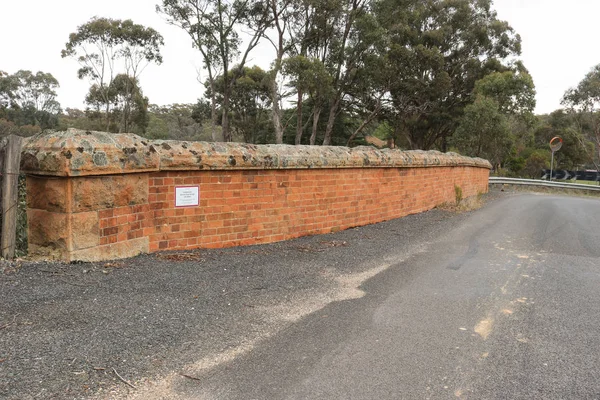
(250, 207)
(120, 215)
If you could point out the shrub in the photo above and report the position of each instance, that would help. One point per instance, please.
(458, 194)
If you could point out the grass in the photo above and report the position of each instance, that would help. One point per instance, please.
(464, 205)
(547, 190)
(592, 183)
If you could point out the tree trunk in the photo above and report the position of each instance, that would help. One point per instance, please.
(276, 110)
(107, 117)
(331, 121)
(213, 111)
(225, 118)
(366, 122)
(316, 115)
(299, 119)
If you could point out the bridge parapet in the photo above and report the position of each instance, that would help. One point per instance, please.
(95, 196)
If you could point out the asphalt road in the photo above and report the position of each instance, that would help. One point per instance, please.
(499, 303)
(506, 305)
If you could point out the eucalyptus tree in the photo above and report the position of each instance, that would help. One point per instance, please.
(214, 27)
(285, 17)
(307, 76)
(367, 94)
(8, 86)
(304, 67)
(584, 103)
(30, 99)
(105, 48)
(341, 48)
(249, 104)
(437, 50)
(578, 148)
(328, 52)
(129, 106)
(484, 130)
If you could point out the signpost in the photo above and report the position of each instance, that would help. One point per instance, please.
(555, 145)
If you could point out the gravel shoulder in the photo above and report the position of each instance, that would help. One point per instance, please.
(127, 328)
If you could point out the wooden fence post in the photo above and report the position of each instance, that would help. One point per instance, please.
(10, 195)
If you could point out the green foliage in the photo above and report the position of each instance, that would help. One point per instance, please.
(29, 99)
(436, 52)
(583, 103)
(10, 128)
(496, 125)
(535, 163)
(176, 122)
(483, 131)
(458, 194)
(112, 53)
(98, 44)
(212, 28)
(21, 240)
(513, 90)
(248, 105)
(129, 106)
(577, 151)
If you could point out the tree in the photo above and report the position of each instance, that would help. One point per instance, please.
(343, 49)
(177, 122)
(583, 102)
(333, 41)
(107, 47)
(535, 163)
(29, 99)
(130, 103)
(484, 131)
(80, 119)
(8, 86)
(485, 128)
(249, 104)
(127, 104)
(308, 75)
(285, 15)
(213, 27)
(578, 148)
(368, 95)
(436, 51)
(512, 89)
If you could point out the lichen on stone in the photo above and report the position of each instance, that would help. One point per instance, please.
(80, 153)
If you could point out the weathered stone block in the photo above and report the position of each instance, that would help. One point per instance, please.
(98, 193)
(80, 153)
(129, 248)
(37, 252)
(130, 189)
(92, 193)
(47, 194)
(85, 230)
(48, 229)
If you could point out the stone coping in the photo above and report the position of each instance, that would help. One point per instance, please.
(85, 153)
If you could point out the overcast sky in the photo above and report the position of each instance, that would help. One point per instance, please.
(558, 50)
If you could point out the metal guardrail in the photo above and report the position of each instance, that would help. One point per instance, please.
(536, 182)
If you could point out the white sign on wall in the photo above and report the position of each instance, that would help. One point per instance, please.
(187, 196)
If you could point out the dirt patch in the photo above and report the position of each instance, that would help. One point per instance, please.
(465, 205)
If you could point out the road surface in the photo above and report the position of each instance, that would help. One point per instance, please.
(499, 303)
(504, 306)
